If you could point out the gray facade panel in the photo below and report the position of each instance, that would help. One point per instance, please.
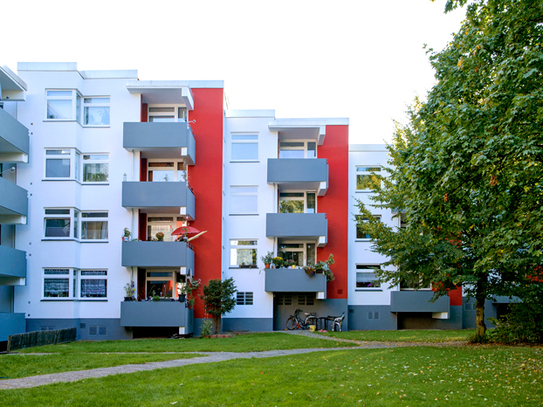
(12, 263)
(372, 317)
(11, 324)
(157, 254)
(291, 170)
(296, 225)
(468, 314)
(13, 200)
(158, 195)
(88, 329)
(424, 320)
(149, 136)
(293, 280)
(155, 314)
(13, 135)
(247, 324)
(417, 301)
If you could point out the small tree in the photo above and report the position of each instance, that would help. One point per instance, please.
(219, 299)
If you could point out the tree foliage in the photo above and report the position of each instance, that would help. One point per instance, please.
(467, 170)
(219, 299)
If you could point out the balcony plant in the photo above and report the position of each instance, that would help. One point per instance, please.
(130, 290)
(277, 262)
(322, 267)
(126, 235)
(187, 291)
(160, 236)
(267, 259)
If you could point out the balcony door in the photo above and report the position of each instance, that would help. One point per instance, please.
(299, 254)
(164, 113)
(164, 283)
(165, 224)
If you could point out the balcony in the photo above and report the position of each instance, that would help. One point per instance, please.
(164, 197)
(12, 266)
(156, 314)
(294, 281)
(158, 254)
(13, 203)
(299, 173)
(14, 140)
(159, 140)
(298, 226)
(419, 301)
(11, 324)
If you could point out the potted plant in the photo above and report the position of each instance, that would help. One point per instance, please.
(267, 259)
(126, 235)
(277, 262)
(322, 267)
(160, 236)
(130, 290)
(187, 291)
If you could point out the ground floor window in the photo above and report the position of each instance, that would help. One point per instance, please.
(71, 283)
(164, 284)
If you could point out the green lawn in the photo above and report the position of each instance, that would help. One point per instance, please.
(455, 376)
(405, 335)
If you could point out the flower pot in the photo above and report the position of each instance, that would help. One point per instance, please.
(182, 297)
(267, 265)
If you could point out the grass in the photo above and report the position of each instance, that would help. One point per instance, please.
(433, 336)
(240, 343)
(473, 376)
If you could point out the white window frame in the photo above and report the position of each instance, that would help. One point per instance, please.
(367, 270)
(76, 278)
(247, 194)
(298, 198)
(178, 280)
(245, 298)
(87, 217)
(74, 98)
(63, 154)
(90, 102)
(94, 158)
(421, 288)
(165, 223)
(289, 145)
(63, 213)
(368, 237)
(304, 250)
(178, 175)
(366, 171)
(241, 140)
(243, 244)
(179, 113)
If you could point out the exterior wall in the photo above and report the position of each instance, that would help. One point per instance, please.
(88, 329)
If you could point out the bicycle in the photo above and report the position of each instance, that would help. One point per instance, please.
(295, 322)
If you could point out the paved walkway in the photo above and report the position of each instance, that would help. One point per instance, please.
(41, 380)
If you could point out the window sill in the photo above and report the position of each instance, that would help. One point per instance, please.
(244, 161)
(244, 214)
(98, 126)
(53, 299)
(375, 290)
(69, 239)
(362, 240)
(243, 268)
(365, 191)
(61, 180)
(60, 120)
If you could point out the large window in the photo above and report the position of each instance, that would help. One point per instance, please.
(95, 168)
(297, 202)
(243, 200)
(165, 224)
(70, 223)
(243, 253)
(96, 111)
(297, 254)
(367, 178)
(167, 114)
(365, 276)
(162, 283)
(63, 104)
(69, 283)
(166, 171)
(297, 149)
(244, 147)
(360, 234)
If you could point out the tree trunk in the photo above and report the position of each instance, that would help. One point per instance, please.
(217, 321)
(480, 310)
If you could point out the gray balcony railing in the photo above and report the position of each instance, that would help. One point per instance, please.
(160, 138)
(157, 254)
(167, 196)
(300, 226)
(14, 140)
(294, 280)
(13, 203)
(12, 266)
(299, 173)
(417, 301)
(156, 314)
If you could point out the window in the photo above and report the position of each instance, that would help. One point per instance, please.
(72, 283)
(297, 254)
(297, 202)
(366, 179)
(166, 171)
(162, 283)
(243, 253)
(167, 114)
(283, 299)
(243, 200)
(244, 147)
(365, 276)
(308, 299)
(94, 225)
(360, 234)
(95, 168)
(61, 164)
(96, 111)
(63, 104)
(414, 282)
(297, 149)
(70, 223)
(165, 224)
(244, 298)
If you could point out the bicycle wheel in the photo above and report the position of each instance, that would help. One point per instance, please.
(291, 323)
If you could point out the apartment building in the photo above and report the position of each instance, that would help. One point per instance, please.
(119, 166)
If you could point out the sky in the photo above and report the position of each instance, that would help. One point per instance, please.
(362, 59)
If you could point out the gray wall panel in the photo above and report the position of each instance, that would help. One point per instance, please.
(293, 280)
(12, 263)
(296, 225)
(247, 324)
(11, 324)
(13, 135)
(157, 254)
(372, 317)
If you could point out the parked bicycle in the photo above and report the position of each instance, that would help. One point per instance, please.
(296, 322)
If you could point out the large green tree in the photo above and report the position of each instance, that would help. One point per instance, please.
(219, 299)
(467, 171)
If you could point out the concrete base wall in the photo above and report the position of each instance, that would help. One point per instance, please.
(247, 324)
(423, 320)
(87, 329)
(492, 310)
(371, 317)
